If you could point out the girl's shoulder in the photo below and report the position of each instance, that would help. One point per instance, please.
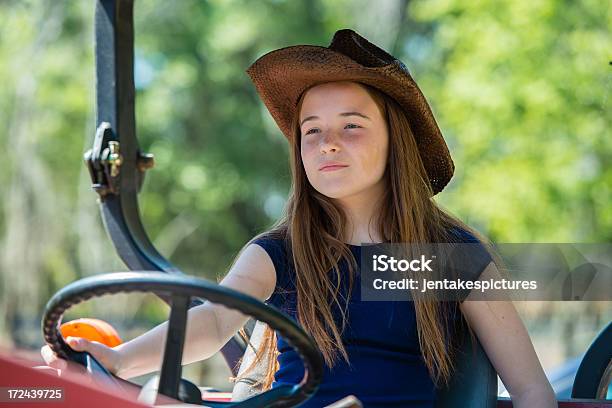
(273, 242)
(462, 234)
(277, 248)
(469, 260)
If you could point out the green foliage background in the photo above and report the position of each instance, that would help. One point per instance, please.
(521, 90)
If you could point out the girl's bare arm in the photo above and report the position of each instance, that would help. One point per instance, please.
(209, 326)
(504, 338)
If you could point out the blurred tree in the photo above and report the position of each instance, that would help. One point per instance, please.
(45, 104)
(521, 89)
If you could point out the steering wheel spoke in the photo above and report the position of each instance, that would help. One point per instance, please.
(175, 340)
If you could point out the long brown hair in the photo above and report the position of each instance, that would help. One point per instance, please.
(314, 226)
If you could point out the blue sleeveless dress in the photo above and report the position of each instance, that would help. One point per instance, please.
(385, 368)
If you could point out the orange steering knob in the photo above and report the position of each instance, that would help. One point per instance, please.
(93, 330)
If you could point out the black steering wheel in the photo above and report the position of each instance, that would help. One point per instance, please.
(180, 289)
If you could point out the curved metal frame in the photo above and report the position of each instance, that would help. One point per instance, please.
(115, 162)
(593, 375)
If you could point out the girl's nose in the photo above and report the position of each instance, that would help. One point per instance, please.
(329, 142)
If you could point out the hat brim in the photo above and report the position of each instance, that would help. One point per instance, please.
(281, 76)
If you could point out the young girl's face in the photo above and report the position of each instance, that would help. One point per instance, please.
(341, 124)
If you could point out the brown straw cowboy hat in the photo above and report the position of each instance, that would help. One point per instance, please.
(281, 76)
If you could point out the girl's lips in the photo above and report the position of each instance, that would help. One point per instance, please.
(332, 168)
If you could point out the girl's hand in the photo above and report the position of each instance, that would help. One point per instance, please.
(106, 356)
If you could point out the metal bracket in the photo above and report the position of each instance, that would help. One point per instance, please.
(104, 162)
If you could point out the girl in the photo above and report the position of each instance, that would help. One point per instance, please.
(366, 158)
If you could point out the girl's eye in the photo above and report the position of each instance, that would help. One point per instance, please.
(350, 124)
